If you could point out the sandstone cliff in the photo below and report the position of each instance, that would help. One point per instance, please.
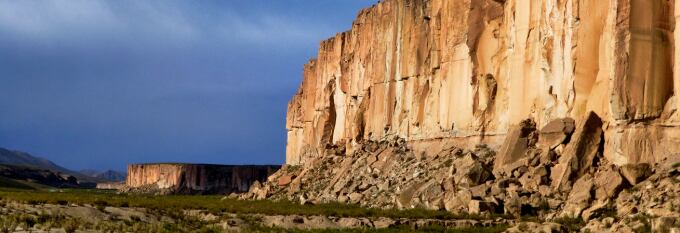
(546, 108)
(195, 178)
(464, 71)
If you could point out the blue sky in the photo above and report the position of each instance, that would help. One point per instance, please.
(100, 84)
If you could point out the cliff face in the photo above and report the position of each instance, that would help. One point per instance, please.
(463, 71)
(196, 178)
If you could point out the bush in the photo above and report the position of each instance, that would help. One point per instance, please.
(173, 207)
(8, 224)
(71, 226)
(216, 205)
(572, 224)
(400, 229)
(35, 202)
(135, 218)
(27, 221)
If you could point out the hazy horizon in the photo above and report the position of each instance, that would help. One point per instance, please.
(100, 84)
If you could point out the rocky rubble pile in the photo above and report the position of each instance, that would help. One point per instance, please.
(383, 174)
(551, 173)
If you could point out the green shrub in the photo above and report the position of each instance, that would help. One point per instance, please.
(646, 223)
(35, 202)
(174, 206)
(8, 224)
(135, 218)
(28, 221)
(400, 229)
(71, 225)
(572, 224)
(215, 204)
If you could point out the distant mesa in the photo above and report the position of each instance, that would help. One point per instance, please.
(184, 178)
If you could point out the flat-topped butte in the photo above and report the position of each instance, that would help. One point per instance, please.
(172, 178)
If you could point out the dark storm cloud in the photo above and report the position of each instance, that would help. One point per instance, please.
(98, 84)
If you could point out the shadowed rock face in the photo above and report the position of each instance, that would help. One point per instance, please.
(39, 176)
(196, 178)
(463, 71)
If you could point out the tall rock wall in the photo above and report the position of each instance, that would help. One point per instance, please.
(196, 178)
(432, 71)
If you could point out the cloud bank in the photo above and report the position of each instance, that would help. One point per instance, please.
(98, 84)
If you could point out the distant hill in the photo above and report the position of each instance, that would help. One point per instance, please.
(27, 177)
(19, 158)
(24, 159)
(108, 175)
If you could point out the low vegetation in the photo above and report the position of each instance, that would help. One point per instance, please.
(10, 183)
(404, 229)
(175, 208)
(215, 204)
(47, 222)
(572, 224)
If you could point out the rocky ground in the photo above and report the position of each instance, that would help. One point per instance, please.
(553, 179)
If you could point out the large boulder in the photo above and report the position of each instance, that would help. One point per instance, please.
(457, 202)
(579, 155)
(608, 184)
(405, 197)
(513, 205)
(579, 197)
(513, 151)
(635, 173)
(595, 209)
(535, 177)
(285, 180)
(478, 207)
(555, 133)
(469, 171)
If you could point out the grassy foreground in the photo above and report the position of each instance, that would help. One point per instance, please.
(214, 204)
(495, 229)
(174, 206)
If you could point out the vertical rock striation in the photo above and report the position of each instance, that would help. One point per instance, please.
(196, 178)
(463, 71)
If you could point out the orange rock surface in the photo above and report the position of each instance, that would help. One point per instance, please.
(463, 71)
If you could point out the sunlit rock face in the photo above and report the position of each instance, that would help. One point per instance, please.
(463, 70)
(195, 178)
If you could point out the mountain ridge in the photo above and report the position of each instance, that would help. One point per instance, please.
(20, 158)
(109, 175)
